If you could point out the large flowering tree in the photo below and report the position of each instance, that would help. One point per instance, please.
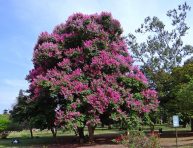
(83, 67)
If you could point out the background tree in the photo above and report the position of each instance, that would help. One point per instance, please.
(32, 114)
(4, 125)
(185, 101)
(180, 93)
(43, 114)
(5, 111)
(84, 69)
(7, 125)
(163, 49)
(20, 114)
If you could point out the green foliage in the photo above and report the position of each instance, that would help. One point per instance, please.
(163, 48)
(160, 54)
(181, 92)
(163, 83)
(34, 114)
(185, 97)
(131, 83)
(4, 122)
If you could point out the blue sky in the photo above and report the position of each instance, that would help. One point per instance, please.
(21, 21)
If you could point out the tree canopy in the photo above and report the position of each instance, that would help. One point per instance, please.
(181, 92)
(164, 48)
(162, 51)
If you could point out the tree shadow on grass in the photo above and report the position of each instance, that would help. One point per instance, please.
(59, 142)
(172, 134)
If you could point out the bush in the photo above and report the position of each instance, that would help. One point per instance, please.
(4, 122)
(137, 139)
(4, 125)
(3, 135)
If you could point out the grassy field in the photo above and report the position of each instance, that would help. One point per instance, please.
(166, 127)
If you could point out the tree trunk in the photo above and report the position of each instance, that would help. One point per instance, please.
(191, 120)
(91, 133)
(31, 132)
(81, 134)
(109, 126)
(54, 131)
(184, 124)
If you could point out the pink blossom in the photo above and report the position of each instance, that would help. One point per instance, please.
(148, 93)
(88, 43)
(138, 75)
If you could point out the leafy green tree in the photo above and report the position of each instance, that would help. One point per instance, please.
(20, 113)
(162, 50)
(184, 100)
(33, 115)
(181, 93)
(42, 114)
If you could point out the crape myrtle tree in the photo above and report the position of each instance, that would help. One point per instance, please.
(84, 67)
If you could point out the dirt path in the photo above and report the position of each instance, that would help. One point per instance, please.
(184, 140)
(167, 140)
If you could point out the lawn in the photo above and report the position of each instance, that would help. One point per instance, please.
(102, 135)
(166, 127)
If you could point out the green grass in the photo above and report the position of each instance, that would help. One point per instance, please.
(26, 142)
(44, 138)
(37, 134)
(166, 127)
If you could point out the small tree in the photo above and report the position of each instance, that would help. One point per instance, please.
(19, 113)
(31, 114)
(5, 111)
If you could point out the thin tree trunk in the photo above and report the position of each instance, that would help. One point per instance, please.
(31, 132)
(184, 125)
(54, 131)
(191, 121)
(91, 133)
(81, 134)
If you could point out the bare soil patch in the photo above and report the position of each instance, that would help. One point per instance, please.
(184, 140)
